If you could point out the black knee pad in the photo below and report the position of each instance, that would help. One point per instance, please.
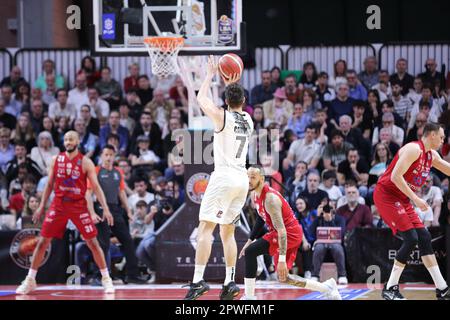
(425, 246)
(410, 241)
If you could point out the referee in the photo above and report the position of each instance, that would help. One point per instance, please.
(113, 186)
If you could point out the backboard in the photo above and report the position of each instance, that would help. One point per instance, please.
(207, 26)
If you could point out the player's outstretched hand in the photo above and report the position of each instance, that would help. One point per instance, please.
(233, 79)
(242, 253)
(108, 216)
(421, 204)
(212, 65)
(282, 271)
(38, 214)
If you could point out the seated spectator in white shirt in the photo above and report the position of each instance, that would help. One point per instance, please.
(61, 107)
(398, 134)
(78, 96)
(434, 105)
(43, 153)
(383, 86)
(306, 150)
(143, 156)
(329, 185)
(415, 94)
(99, 107)
(141, 193)
(402, 105)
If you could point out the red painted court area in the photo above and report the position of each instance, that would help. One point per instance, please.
(266, 291)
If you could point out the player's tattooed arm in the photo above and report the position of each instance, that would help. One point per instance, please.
(273, 206)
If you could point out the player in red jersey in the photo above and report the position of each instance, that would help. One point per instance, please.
(67, 177)
(282, 240)
(393, 194)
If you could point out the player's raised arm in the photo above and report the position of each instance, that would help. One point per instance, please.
(47, 191)
(440, 164)
(273, 206)
(407, 155)
(89, 168)
(203, 98)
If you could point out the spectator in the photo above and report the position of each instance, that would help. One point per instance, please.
(62, 127)
(24, 132)
(114, 126)
(20, 157)
(340, 71)
(89, 69)
(264, 91)
(402, 105)
(6, 148)
(306, 150)
(273, 176)
(164, 83)
(431, 75)
(168, 144)
(354, 136)
(99, 107)
(140, 189)
(354, 213)
(343, 104)
(433, 196)
(78, 96)
(309, 75)
(143, 227)
(124, 165)
(324, 92)
(175, 175)
(279, 109)
(309, 102)
(153, 178)
(369, 76)
(134, 104)
(88, 141)
(131, 82)
(12, 106)
(312, 192)
(353, 168)
(125, 119)
(327, 218)
(36, 115)
(179, 95)
(150, 129)
(381, 159)
(49, 69)
(398, 134)
(61, 108)
(48, 96)
(374, 104)
(356, 90)
(321, 122)
(49, 125)
(109, 89)
(92, 124)
(386, 139)
(23, 94)
(144, 92)
(258, 117)
(387, 106)
(14, 78)
(427, 99)
(293, 93)
(421, 120)
(275, 75)
(296, 183)
(160, 108)
(17, 201)
(25, 221)
(7, 120)
(362, 119)
(15, 184)
(306, 217)
(143, 157)
(329, 185)
(415, 94)
(383, 86)
(44, 152)
(336, 151)
(36, 94)
(402, 77)
(299, 121)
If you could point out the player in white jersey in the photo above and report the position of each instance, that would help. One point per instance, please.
(228, 186)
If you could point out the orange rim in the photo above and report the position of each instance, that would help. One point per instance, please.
(164, 43)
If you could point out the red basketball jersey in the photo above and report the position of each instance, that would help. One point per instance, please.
(289, 218)
(70, 180)
(415, 176)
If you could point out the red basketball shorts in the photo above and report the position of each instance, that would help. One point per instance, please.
(294, 240)
(61, 212)
(397, 214)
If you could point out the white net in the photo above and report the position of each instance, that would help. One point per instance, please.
(163, 53)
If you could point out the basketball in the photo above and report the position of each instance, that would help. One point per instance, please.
(230, 64)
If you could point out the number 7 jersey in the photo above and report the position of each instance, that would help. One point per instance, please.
(231, 143)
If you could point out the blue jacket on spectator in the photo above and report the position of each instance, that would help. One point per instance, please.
(123, 137)
(358, 93)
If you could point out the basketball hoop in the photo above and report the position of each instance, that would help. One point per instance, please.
(163, 53)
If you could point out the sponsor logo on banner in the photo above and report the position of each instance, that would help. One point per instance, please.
(225, 32)
(109, 26)
(196, 186)
(22, 248)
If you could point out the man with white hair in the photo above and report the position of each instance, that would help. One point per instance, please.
(369, 76)
(398, 134)
(312, 193)
(60, 108)
(354, 136)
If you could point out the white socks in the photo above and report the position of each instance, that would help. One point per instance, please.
(316, 286)
(198, 273)
(249, 286)
(32, 273)
(437, 277)
(105, 273)
(230, 272)
(395, 276)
